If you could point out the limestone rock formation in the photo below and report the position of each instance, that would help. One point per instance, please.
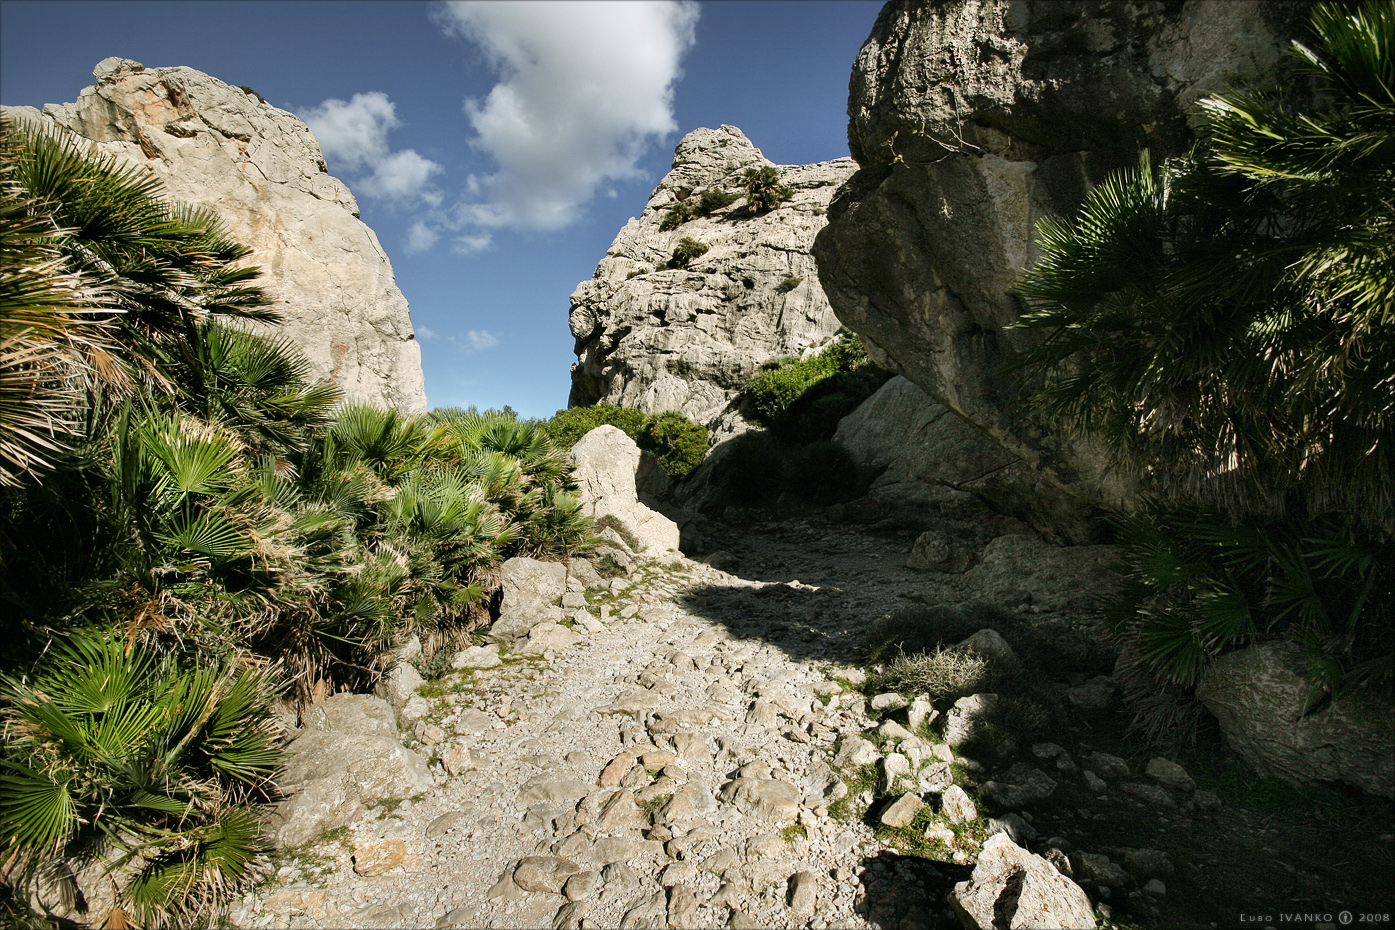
(1013, 888)
(928, 457)
(1263, 701)
(689, 339)
(604, 463)
(261, 170)
(972, 119)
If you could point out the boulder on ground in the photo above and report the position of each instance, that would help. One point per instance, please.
(1019, 569)
(1260, 696)
(1011, 888)
(968, 718)
(528, 583)
(330, 777)
(399, 685)
(604, 464)
(352, 713)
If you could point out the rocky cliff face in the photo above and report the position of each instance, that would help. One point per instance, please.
(261, 169)
(972, 119)
(690, 338)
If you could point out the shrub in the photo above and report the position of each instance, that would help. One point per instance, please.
(763, 189)
(677, 441)
(685, 252)
(750, 472)
(1223, 328)
(787, 285)
(567, 426)
(114, 756)
(941, 674)
(822, 473)
(1199, 585)
(802, 400)
(713, 200)
(677, 215)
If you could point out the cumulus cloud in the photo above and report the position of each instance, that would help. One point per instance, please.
(583, 88)
(420, 238)
(474, 340)
(470, 244)
(478, 340)
(354, 137)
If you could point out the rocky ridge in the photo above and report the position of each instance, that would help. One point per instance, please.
(261, 170)
(690, 338)
(969, 121)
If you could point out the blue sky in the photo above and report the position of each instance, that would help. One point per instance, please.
(496, 148)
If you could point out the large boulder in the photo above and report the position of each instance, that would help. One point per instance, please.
(1018, 569)
(930, 462)
(1013, 889)
(1261, 699)
(970, 120)
(346, 759)
(689, 339)
(604, 464)
(261, 170)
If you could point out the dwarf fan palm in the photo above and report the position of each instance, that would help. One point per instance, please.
(162, 269)
(114, 757)
(1229, 327)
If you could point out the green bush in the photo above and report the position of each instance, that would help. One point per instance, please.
(1222, 328)
(764, 191)
(787, 285)
(713, 200)
(117, 756)
(750, 473)
(685, 252)
(1199, 585)
(822, 473)
(567, 426)
(802, 400)
(677, 215)
(676, 441)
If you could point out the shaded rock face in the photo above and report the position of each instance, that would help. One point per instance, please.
(690, 339)
(927, 456)
(972, 119)
(1261, 698)
(260, 169)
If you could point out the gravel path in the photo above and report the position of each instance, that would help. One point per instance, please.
(671, 770)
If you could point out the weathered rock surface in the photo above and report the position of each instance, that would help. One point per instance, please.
(972, 119)
(1012, 888)
(928, 457)
(689, 339)
(604, 464)
(1260, 697)
(346, 762)
(261, 170)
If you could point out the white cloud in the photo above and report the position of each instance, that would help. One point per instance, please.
(478, 340)
(469, 245)
(354, 137)
(424, 333)
(420, 238)
(583, 88)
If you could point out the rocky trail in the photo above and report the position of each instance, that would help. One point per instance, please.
(689, 747)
